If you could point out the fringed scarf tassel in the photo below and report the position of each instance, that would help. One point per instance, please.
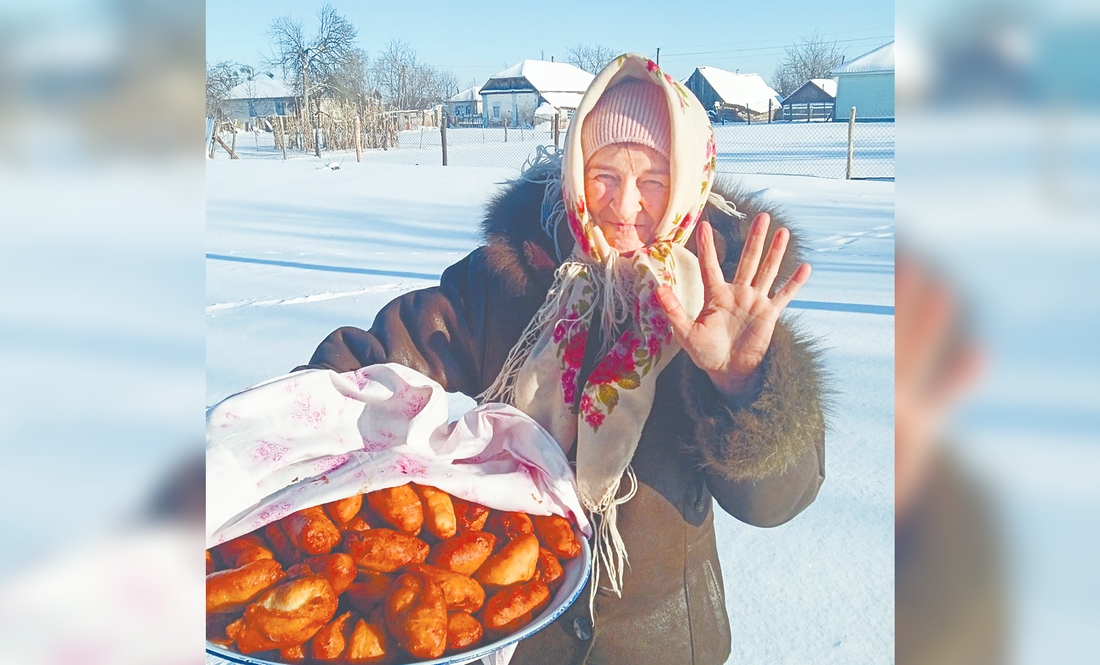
(610, 551)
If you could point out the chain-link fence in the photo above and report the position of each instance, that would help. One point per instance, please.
(785, 148)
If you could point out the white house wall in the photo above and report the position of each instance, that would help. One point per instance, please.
(871, 94)
(519, 106)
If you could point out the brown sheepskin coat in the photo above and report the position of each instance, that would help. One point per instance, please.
(762, 459)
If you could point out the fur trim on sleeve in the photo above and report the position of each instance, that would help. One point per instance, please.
(761, 437)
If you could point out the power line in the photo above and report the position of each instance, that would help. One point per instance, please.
(771, 48)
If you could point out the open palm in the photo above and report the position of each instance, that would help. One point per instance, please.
(732, 333)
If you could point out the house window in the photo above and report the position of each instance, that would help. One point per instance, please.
(280, 107)
(496, 111)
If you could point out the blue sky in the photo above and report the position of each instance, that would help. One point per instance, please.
(477, 39)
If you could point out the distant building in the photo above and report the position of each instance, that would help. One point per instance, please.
(465, 107)
(261, 96)
(733, 97)
(867, 83)
(515, 94)
(815, 100)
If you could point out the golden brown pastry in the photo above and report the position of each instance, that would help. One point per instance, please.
(294, 654)
(356, 523)
(460, 592)
(513, 602)
(416, 615)
(239, 551)
(400, 507)
(329, 642)
(494, 634)
(384, 550)
(289, 614)
(556, 533)
(464, 553)
(210, 566)
(285, 551)
(339, 569)
(231, 590)
(548, 569)
(312, 531)
(513, 564)
(469, 515)
(215, 628)
(344, 510)
(369, 590)
(368, 642)
(439, 512)
(508, 525)
(463, 631)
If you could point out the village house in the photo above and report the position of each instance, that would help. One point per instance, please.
(465, 108)
(514, 95)
(813, 101)
(260, 96)
(867, 83)
(729, 96)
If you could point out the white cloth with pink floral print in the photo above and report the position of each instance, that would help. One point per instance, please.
(317, 436)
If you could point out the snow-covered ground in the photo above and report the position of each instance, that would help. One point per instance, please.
(295, 250)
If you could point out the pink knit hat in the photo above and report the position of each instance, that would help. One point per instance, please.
(633, 111)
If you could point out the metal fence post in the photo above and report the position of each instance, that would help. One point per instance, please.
(851, 140)
(443, 136)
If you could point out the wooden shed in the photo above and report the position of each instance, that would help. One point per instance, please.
(867, 83)
(728, 96)
(814, 101)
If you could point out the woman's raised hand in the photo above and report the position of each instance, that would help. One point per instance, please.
(732, 333)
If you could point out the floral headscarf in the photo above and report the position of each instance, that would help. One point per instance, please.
(606, 414)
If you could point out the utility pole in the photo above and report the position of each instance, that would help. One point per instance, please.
(658, 56)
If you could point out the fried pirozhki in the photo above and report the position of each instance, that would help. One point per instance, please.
(548, 569)
(416, 614)
(464, 553)
(493, 634)
(286, 615)
(463, 631)
(369, 590)
(513, 602)
(239, 551)
(356, 523)
(215, 628)
(231, 590)
(285, 551)
(513, 564)
(339, 569)
(311, 530)
(439, 512)
(509, 525)
(385, 550)
(399, 506)
(368, 642)
(469, 515)
(557, 535)
(330, 642)
(294, 654)
(460, 592)
(344, 510)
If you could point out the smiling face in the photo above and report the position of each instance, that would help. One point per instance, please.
(626, 186)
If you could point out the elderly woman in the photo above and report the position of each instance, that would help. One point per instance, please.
(655, 358)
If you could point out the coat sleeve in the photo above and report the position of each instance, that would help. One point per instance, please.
(438, 331)
(763, 456)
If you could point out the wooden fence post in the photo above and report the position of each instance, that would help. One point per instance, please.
(233, 138)
(851, 139)
(282, 137)
(769, 110)
(358, 139)
(557, 128)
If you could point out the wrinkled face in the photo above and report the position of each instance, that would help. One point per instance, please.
(626, 186)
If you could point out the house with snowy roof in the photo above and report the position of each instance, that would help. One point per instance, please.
(465, 107)
(729, 96)
(514, 95)
(814, 100)
(867, 83)
(260, 96)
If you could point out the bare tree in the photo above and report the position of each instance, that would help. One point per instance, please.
(407, 83)
(309, 63)
(590, 57)
(221, 78)
(811, 58)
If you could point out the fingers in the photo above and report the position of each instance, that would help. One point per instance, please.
(770, 268)
(791, 288)
(754, 246)
(677, 317)
(708, 260)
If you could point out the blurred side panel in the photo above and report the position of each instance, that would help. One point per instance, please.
(998, 188)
